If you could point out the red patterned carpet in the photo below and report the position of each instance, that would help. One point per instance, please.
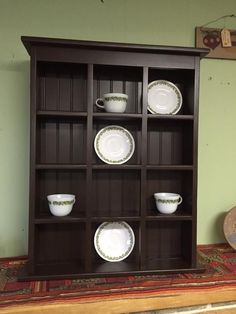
(219, 277)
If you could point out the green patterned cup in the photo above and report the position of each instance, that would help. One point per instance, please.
(61, 204)
(167, 203)
(113, 102)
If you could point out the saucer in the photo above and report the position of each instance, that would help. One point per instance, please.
(164, 97)
(114, 144)
(114, 241)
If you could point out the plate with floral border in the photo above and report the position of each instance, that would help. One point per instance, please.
(164, 97)
(114, 241)
(114, 144)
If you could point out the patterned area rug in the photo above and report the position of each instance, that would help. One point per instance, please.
(219, 277)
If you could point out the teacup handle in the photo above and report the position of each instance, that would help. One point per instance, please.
(97, 103)
(180, 200)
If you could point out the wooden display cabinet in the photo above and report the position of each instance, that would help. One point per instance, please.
(67, 76)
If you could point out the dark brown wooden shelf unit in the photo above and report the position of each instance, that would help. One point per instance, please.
(67, 76)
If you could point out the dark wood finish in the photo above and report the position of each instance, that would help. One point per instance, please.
(116, 193)
(67, 77)
(174, 181)
(60, 181)
(30, 42)
(32, 188)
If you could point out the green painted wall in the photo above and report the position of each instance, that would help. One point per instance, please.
(164, 22)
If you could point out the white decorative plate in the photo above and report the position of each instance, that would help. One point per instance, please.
(114, 144)
(164, 97)
(114, 241)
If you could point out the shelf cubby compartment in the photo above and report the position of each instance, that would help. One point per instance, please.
(180, 182)
(168, 245)
(63, 182)
(183, 79)
(61, 87)
(131, 126)
(130, 264)
(116, 193)
(119, 79)
(169, 143)
(59, 252)
(61, 141)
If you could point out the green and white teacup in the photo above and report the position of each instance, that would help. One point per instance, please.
(61, 204)
(167, 203)
(113, 102)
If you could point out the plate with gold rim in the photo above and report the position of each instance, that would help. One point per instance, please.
(114, 144)
(114, 241)
(164, 97)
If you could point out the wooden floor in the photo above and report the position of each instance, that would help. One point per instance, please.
(213, 301)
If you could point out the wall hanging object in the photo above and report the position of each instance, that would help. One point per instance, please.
(220, 41)
(212, 38)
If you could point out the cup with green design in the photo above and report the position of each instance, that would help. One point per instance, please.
(167, 203)
(61, 204)
(113, 102)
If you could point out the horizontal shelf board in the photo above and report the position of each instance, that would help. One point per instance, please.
(123, 166)
(76, 270)
(166, 264)
(170, 117)
(47, 219)
(156, 270)
(59, 166)
(57, 113)
(60, 268)
(170, 167)
(116, 218)
(174, 216)
(117, 267)
(110, 166)
(122, 116)
(127, 116)
(51, 271)
(134, 266)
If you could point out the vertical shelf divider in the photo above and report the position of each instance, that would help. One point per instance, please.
(89, 155)
(195, 159)
(143, 171)
(33, 127)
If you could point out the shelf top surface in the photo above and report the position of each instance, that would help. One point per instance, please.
(29, 42)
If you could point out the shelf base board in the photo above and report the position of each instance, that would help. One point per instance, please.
(24, 275)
